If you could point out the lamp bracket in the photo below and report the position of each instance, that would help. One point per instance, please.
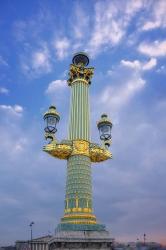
(67, 148)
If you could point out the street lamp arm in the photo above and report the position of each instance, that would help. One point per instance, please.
(58, 150)
(98, 153)
(67, 148)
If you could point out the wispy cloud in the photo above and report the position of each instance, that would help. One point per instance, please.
(119, 95)
(15, 110)
(140, 65)
(157, 48)
(134, 190)
(150, 64)
(57, 93)
(61, 46)
(161, 69)
(111, 22)
(4, 90)
(81, 21)
(55, 85)
(20, 30)
(38, 63)
(21, 158)
(116, 97)
(3, 62)
(157, 17)
(41, 60)
(33, 27)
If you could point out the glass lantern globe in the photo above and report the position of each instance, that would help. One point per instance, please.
(51, 118)
(104, 127)
(81, 58)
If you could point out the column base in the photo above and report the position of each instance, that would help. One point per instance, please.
(89, 240)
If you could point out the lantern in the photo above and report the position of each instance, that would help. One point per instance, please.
(51, 118)
(104, 127)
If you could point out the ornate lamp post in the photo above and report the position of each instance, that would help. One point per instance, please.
(104, 127)
(31, 224)
(144, 239)
(51, 118)
(78, 150)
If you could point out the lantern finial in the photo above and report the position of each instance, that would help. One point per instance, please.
(51, 118)
(81, 59)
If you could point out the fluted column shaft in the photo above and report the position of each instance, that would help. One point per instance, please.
(78, 185)
(79, 111)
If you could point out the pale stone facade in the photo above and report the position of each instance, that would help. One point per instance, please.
(36, 244)
(87, 240)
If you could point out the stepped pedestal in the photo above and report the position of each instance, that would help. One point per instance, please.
(90, 240)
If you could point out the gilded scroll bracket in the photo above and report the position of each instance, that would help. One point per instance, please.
(67, 148)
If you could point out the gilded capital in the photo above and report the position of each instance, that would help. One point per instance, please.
(81, 73)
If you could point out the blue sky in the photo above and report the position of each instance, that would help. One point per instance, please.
(126, 42)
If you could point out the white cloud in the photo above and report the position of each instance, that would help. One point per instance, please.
(116, 98)
(20, 30)
(131, 64)
(4, 90)
(81, 20)
(18, 109)
(119, 95)
(41, 60)
(157, 17)
(61, 46)
(20, 145)
(38, 63)
(157, 48)
(111, 22)
(13, 142)
(137, 65)
(161, 69)
(55, 85)
(150, 64)
(3, 61)
(15, 110)
(151, 25)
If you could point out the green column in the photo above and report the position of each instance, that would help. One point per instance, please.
(79, 182)
(78, 214)
(78, 198)
(79, 111)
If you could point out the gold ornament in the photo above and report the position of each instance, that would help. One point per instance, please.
(80, 147)
(99, 154)
(79, 73)
(61, 151)
(77, 147)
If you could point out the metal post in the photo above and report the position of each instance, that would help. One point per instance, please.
(144, 239)
(31, 232)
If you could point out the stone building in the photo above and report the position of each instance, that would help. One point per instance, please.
(40, 243)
